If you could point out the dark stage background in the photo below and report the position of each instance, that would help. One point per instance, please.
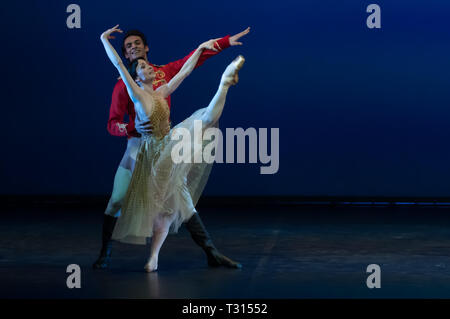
(361, 112)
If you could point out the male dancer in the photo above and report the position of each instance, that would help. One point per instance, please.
(135, 46)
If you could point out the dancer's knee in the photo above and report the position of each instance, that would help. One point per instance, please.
(117, 199)
(162, 223)
(113, 208)
(160, 230)
(121, 184)
(116, 204)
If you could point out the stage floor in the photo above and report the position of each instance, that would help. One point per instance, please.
(286, 252)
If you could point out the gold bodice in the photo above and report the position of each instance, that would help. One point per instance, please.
(160, 117)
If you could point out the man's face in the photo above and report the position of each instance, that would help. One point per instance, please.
(134, 48)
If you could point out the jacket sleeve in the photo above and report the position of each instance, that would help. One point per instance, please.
(174, 67)
(119, 102)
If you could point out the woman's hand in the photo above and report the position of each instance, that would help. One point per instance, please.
(209, 45)
(107, 33)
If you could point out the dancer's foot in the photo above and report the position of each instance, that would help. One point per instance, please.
(230, 75)
(216, 259)
(203, 239)
(103, 260)
(151, 265)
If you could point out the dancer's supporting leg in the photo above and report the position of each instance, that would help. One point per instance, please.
(121, 182)
(160, 230)
(212, 114)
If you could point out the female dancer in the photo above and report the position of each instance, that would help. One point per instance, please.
(163, 193)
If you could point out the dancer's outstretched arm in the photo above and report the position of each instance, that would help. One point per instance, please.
(134, 91)
(187, 68)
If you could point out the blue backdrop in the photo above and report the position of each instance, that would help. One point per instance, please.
(360, 111)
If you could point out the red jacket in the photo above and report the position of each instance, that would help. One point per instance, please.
(121, 103)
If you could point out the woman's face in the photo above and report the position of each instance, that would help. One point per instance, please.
(145, 72)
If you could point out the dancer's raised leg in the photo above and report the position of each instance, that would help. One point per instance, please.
(214, 110)
(229, 77)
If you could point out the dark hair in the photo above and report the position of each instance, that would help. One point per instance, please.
(132, 68)
(131, 33)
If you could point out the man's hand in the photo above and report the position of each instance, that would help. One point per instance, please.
(234, 40)
(143, 128)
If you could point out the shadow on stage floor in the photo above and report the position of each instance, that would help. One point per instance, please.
(286, 252)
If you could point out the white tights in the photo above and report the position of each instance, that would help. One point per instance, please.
(122, 178)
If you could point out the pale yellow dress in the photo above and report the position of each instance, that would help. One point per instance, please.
(160, 186)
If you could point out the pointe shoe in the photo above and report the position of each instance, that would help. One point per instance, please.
(151, 266)
(230, 75)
